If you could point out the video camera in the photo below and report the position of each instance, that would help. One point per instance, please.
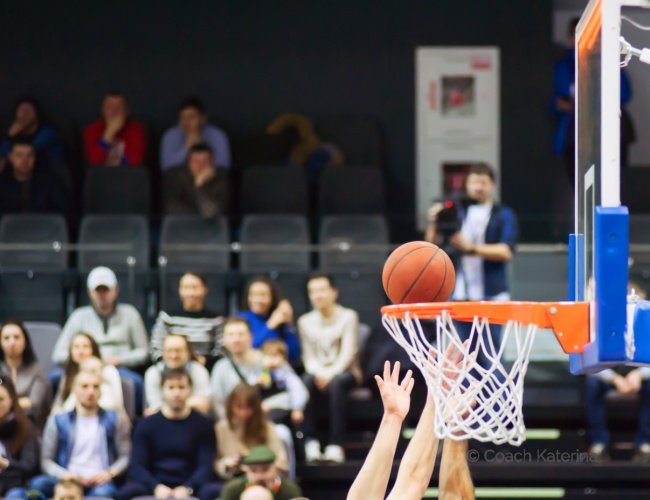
(449, 219)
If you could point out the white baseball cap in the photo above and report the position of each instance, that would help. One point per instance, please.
(101, 276)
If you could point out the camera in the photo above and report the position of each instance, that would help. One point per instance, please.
(449, 219)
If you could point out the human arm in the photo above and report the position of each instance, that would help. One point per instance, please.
(173, 151)
(27, 464)
(137, 353)
(122, 445)
(211, 196)
(309, 358)
(140, 460)
(290, 337)
(49, 448)
(349, 346)
(135, 146)
(298, 393)
(113, 384)
(219, 393)
(274, 442)
(40, 394)
(200, 398)
(205, 455)
(152, 390)
(372, 479)
(72, 326)
(455, 479)
(95, 147)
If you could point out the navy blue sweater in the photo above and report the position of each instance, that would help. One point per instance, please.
(173, 452)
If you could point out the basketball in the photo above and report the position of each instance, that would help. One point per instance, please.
(418, 272)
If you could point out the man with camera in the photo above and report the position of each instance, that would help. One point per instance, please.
(480, 237)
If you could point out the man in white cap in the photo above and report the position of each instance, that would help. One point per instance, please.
(117, 328)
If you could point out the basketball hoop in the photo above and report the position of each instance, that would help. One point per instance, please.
(474, 401)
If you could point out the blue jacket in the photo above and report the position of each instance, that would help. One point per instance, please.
(262, 333)
(501, 228)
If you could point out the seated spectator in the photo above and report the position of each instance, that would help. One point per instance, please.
(270, 315)
(115, 138)
(18, 444)
(197, 188)
(27, 126)
(260, 468)
(192, 129)
(18, 362)
(245, 427)
(117, 328)
(199, 325)
(68, 489)
(256, 492)
(284, 395)
(173, 450)
(242, 364)
(329, 339)
(26, 186)
(84, 356)
(177, 354)
(87, 444)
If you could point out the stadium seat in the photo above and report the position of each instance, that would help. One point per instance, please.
(128, 392)
(277, 231)
(110, 190)
(43, 336)
(540, 276)
(273, 190)
(358, 137)
(353, 229)
(351, 190)
(362, 292)
(34, 229)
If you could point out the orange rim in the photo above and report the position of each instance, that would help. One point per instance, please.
(568, 320)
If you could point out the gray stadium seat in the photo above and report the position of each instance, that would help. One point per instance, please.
(358, 137)
(128, 392)
(351, 190)
(540, 276)
(353, 229)
(271, 189)
(274, 230)
(44, 336)
(34, 229)
(362, 292)
(110, 190)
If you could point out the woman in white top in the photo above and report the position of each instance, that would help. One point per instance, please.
(82, 349)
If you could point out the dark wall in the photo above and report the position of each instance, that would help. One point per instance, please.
(253, 60)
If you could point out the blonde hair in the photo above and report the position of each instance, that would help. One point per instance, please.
(275, 346)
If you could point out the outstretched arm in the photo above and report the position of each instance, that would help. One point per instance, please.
(371, 482)
(455, 479)
(418, 462)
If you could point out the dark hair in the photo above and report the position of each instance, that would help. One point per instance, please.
(482, 169)
(234, 320)
(318, 276)
(573, 24)
(276, 295)
(185, 339)
(29, 356)
(201, 147)
(71, 368)
(29, 100)
(194, 103)
(199, 276)
(174, 374)
(256, 427)
(23, 424)
(21, 141)
(116, 93)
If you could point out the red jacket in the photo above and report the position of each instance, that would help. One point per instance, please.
(132, 134)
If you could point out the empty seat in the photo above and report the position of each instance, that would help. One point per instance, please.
(351, 190)
(111, 190)
(27, 295)
(48, 231)
(353, 230)
(43, 336)
(358, 137)
(362, 292)
(277, 233)
(273, 190)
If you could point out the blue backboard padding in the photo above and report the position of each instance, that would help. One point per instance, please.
(642, 332)
(576, 265)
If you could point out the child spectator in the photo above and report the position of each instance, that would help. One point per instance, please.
(177, 355)
(18, 362)
(244, 428)
(270, 315)
(18, 444)
(284, 395)
(68, 489)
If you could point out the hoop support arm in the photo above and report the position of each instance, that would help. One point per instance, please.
(568, 320)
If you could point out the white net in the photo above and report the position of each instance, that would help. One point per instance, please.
(476, 393)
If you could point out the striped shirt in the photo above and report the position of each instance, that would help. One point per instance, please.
(202, 329)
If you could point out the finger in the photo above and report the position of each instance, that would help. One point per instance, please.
(386, 370)
(407, 378)
(395, 375)
(409, 387)
(380, 382)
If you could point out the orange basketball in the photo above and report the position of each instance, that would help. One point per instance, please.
(418, 272)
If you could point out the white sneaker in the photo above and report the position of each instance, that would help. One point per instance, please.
(312, 451)
(334, 453)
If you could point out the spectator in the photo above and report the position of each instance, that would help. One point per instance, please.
(117, 328)
(18, 362)
(198, 188)
(242, 363)
(87, 444)
(26, 186)
(260, 468)
(329, 338)
(177, 354)
(270, 315)
(481, 248)
(245, 427)
(84, 352)
(27, 126)
(284, 395)
(18, 444)
(68, 489)
(115, 138)
(199, 325)
(256, 492)
(193, 128)
(173, 450)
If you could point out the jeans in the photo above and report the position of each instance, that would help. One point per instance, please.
(45, 484)
(595, 390)
(335, 397)
(208, 491)
(21, 494)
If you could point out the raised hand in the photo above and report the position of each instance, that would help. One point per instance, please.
(395, 395)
